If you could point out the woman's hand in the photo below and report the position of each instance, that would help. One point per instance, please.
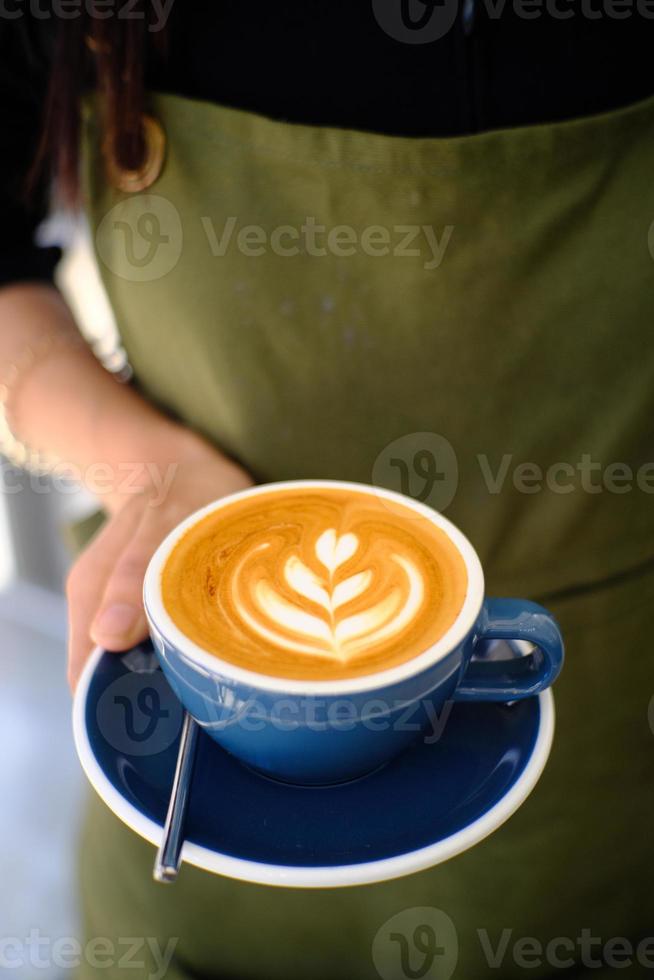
(63, 401)
(105, 583)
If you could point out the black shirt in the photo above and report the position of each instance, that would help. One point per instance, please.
(400, 67)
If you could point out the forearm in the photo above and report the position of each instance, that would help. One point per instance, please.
(68, 405)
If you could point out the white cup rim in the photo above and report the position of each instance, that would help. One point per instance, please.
(212, 663)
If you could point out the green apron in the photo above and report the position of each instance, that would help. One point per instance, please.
(497, 366)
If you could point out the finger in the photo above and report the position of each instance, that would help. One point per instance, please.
(86, 584)
(120, 621)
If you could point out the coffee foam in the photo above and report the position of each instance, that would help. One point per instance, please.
(315, 584)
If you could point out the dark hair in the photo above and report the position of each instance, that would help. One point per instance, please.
(109, 56)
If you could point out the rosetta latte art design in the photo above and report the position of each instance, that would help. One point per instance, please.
(319, 584)
(391, 602)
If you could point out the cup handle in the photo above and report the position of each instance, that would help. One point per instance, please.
(519, 677)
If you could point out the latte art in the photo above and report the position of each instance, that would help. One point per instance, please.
(388, 602)
(314, 584)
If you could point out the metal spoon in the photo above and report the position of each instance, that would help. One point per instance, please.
(169, 855)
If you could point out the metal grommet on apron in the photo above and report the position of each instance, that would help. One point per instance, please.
(487, 299)
(132, 181)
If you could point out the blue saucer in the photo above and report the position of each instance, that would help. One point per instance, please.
(434, 801)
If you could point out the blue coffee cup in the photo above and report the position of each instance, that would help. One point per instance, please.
(321, 732)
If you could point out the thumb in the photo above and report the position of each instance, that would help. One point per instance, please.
(120, 620)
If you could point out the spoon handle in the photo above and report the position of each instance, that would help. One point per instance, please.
(169, 855)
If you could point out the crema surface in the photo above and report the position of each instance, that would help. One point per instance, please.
(316, 584)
